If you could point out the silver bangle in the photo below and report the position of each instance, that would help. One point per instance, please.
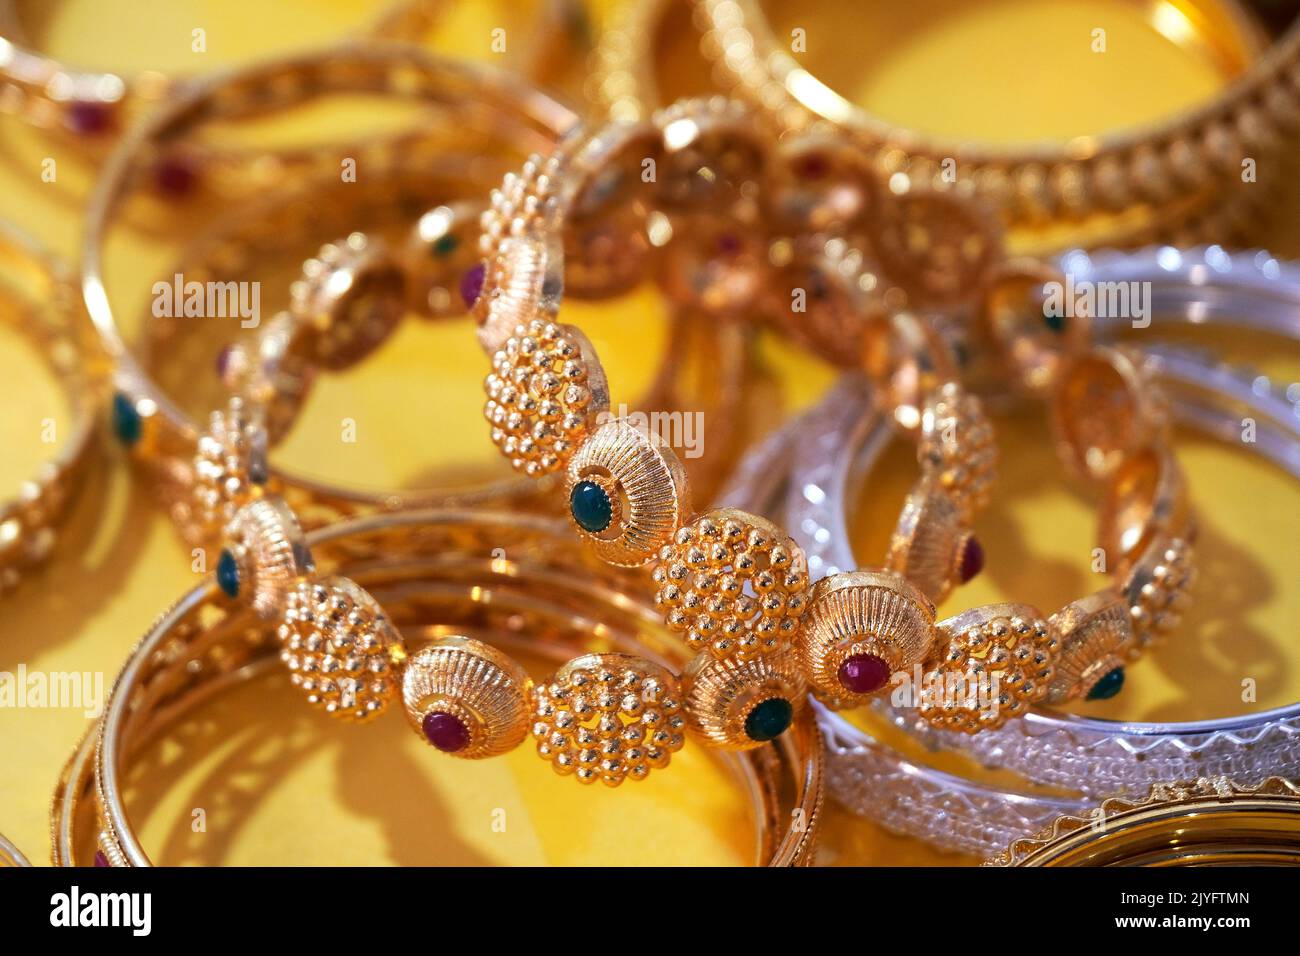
(824, 455)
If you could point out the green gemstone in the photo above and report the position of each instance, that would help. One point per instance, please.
(1054, 322)
(590, 506)
(770, 719)
(228, 573)
(1110, 684)
(444, 246)
(128, 424)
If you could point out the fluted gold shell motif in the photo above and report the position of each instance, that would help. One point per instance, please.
(1096, 636)
(340, 648)
(928, 540)
(485, 689)
(733, 584)
(271, 552)
(1008, 648)
(647, 487)
(862, 612)
(608, 717)
(545, 393)
(229, 459)
(721, 693)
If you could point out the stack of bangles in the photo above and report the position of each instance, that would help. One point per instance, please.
(739, 620)
(737, 587)
(814, 469)
(454, 612)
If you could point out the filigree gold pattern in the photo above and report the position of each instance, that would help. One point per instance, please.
(545, 392)
(340, 648)
(608, 717)
(1006, 647)
(956, 447)
(230, 470)
(1158, 588)
(733, 584)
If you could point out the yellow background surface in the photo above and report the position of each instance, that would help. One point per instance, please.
(281, 785)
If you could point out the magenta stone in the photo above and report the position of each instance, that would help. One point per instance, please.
(88, 118)
(813, 166)
(972, 559)
(471, 283)
(100, 858)
(175, 177)
(445, 731)
(863, 673)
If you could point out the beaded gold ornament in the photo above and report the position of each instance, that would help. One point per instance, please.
(736, 587)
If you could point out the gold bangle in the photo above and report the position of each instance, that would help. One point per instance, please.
(1213, 821)
(38, 297)
(494, 113)
(89, 108)
(10, 855)
(440, 574)
(736, 586)
(1177, 181)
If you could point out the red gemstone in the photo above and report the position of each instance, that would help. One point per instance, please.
(864, 673)
(445, 731)
(471, 283)
(814, 166)
(89, 118)
(972, 559)
(100, 858)
(175, 177)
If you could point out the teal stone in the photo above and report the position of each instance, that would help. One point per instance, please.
(1054, 322)
(228, 573)
(590, 506)
(769, 720)
(444, 246)
(128, 425)
(1110, 685)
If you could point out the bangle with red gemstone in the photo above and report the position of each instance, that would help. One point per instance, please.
(93, 108)
(462, 592)
(736, 586)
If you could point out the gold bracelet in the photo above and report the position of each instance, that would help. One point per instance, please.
(1180, 181)
(354, 291)
(38, 297)
(491, 113)
(1213, 821)
(736, 586)
(442, 578)
(90, 108)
